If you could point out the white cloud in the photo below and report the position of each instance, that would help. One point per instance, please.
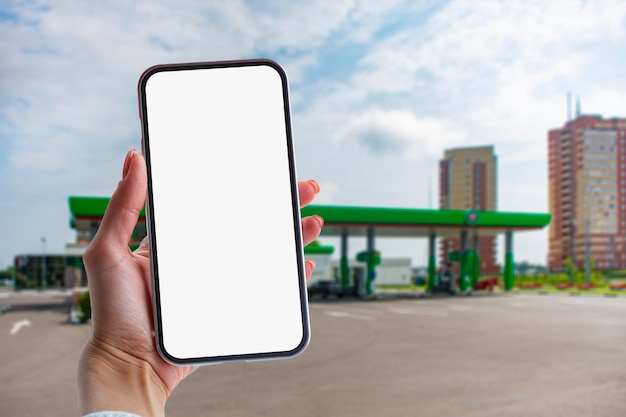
(328, 193)
(401, 132)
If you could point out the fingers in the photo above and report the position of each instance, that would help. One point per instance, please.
(126, 203)
(309, 266)
(307, 190)
(311, 228)
(143, 248)
(312, 225)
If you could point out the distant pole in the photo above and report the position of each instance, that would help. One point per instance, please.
(14, 274)
(43, 263)
(587, 254)
(572, 251)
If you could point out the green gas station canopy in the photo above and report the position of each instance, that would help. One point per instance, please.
(388, 222)
(90, 208)
(407, 222)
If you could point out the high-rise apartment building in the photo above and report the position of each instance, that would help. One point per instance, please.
(587, 193)
(467, 181)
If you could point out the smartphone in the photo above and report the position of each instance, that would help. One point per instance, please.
(222, 212)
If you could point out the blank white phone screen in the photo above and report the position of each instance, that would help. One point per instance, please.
(223, 213)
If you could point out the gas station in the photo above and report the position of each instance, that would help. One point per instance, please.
(371, 222)
(467, 226)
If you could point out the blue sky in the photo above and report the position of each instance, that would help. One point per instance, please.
(378, 92)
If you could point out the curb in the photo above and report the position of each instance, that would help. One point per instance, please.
(570, 294)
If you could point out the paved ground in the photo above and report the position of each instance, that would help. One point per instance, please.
(497, 355)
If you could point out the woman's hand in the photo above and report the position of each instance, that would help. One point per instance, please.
(120, 368)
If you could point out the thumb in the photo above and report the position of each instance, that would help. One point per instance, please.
(125, 205)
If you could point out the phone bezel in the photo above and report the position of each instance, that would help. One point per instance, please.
(151, 229)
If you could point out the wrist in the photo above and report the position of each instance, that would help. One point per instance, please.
(110, 379)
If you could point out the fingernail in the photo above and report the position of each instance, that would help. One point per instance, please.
(315, 185)
(129, 158)
(311, 263)
(319, 219)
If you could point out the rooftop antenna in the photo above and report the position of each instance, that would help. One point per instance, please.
(577, 105)
(569, 106)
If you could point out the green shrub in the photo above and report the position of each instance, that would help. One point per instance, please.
(84, 306)
(22, 281)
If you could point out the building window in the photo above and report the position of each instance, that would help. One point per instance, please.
(600, 156)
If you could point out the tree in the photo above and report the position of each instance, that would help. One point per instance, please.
(570, 269)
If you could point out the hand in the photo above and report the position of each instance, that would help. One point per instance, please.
(119, 368)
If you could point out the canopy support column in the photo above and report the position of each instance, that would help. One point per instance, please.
(463, 261)
(508, 261)
(344, 268)
(475, 272)
(432, 263)
(371, 266)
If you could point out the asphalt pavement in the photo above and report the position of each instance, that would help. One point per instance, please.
(504, 355)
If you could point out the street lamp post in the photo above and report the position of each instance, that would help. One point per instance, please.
(587, 253)
(43, 263)
(572, 254)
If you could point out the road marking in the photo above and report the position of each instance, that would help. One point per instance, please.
(517, 305)
(461, 307)
(476, 308)
(17, 326)
(348, 315)
(419, 311)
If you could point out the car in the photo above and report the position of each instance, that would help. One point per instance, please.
(326, 288)
(445, 284)
(487, 284)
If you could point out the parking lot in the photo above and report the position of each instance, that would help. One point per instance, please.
(485, 355)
